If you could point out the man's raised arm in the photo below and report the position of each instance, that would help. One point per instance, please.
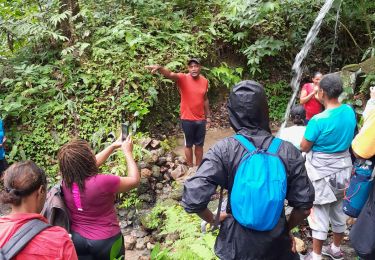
(164, 71)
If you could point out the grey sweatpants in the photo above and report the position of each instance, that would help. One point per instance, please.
(323, 215)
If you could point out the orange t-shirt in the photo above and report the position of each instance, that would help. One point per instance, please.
(192, 93)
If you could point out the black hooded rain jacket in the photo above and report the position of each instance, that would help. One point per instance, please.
(248, 115)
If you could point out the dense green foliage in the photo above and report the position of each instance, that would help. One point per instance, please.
(173, 221)
(76, 68)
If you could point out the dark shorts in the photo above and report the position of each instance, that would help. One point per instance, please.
(194, 131)
(88, 249)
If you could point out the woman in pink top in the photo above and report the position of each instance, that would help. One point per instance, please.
(90, 196)
(307, 98)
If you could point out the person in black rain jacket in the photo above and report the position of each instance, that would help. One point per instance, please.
(248, 115)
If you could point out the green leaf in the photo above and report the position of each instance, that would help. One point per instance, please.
(116, 248)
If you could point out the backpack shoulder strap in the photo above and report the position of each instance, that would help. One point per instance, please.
(245, 142)
(22, 237)
(275, 145)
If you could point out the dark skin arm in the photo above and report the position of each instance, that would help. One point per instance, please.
(209, 217)
(164, 71)
(296, 218)
(207, 111)
(306, 145)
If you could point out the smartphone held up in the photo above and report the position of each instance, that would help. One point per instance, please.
(124, 131)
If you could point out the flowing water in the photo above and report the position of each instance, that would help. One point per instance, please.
(335, 38)
(296, 68)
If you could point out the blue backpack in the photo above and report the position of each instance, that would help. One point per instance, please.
(359, 188)
(259, 188)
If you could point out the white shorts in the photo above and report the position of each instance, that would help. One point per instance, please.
(323, 215)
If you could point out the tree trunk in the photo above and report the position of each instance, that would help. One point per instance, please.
(66, 25)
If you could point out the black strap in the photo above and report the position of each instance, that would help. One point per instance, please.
(22, 237)
(217, 217)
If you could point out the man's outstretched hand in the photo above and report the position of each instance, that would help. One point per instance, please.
(153, 68)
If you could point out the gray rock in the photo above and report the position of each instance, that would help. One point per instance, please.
(150, 246)
(159, 186)
(169, 157)
(130, 242)
(122, 212)
(146, 173)
(154, 158)
(140, 244)
(146, 197)
(160, 152)
(170, 164)
(166, 177)
(138, 233)
(181, 159)
(179, 172)
(143, 164)
(131, 214)
(144, 186)
(167, 189)
(162, 160)
(155, 143)
(156, 172)
(145, 142)
(176, 193)
(157, 236)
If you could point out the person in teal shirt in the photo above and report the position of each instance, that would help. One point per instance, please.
(327, 139)
(331, 131)
(3, 162)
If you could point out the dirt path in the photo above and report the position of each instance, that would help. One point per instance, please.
(212, 136)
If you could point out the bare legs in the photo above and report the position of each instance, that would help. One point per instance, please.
(317, 246)
(337, 239)
(198, 155)
(189, 156)
(198, 151)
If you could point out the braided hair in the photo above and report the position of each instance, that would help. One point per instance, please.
(76, 162)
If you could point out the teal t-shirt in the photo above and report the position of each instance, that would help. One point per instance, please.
(2, 152)
(332, 130)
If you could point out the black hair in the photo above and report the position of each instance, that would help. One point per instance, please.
(77, 162)
(20, 180)
(316, 73)
(332, 86)
(298, 114)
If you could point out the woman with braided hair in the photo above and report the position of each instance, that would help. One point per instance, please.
(90, 196)
(25, 190)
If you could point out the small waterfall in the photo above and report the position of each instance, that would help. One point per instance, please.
(296, 68)
(335, 38)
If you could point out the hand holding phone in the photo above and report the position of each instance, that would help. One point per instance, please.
(124, 131)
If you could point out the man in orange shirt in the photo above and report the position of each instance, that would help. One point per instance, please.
(195, 112)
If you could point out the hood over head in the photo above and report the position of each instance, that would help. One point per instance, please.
(248, 107)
